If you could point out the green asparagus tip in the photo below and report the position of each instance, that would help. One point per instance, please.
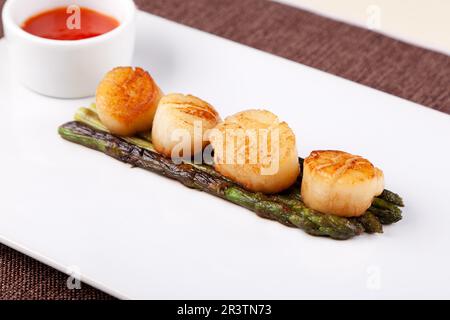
(371, 223)
(392, 198)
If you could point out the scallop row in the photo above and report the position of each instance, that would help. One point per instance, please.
(253, 148)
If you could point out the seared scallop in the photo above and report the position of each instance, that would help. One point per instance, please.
(127, 99)
(257, 150)
(181, 125)
(339, 183)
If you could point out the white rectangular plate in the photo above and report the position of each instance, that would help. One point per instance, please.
(135, 234)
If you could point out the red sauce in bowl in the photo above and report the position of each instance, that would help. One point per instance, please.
(64, 24)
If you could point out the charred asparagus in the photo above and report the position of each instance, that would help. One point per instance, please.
(293, 215)
(286, 208)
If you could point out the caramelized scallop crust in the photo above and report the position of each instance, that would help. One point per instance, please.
(257, 150)
(127, 99)
(339, 183)
(181, 124)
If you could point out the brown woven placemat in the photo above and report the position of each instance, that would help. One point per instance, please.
(22, 277)
(360, 55)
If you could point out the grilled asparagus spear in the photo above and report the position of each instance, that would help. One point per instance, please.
(286, 208)
(392, 197)
(293, 215)
(371, 223)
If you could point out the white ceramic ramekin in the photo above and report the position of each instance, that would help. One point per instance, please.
(67, 69)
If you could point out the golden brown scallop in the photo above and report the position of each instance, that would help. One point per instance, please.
(127, 99)
(257, 150)
(339, 183)
(181, 124)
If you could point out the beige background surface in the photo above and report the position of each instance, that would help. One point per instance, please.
(422, 22)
